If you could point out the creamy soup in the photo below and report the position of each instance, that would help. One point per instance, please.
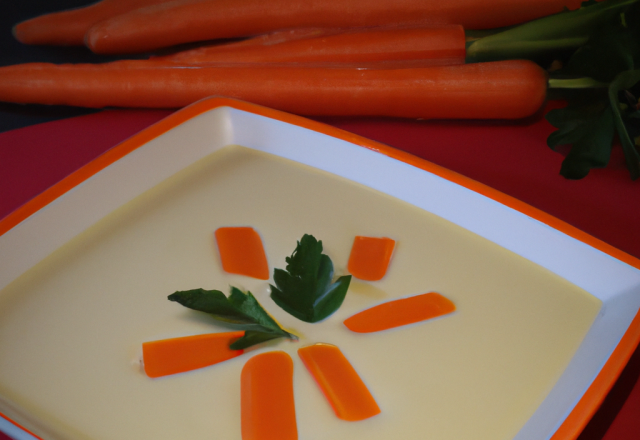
(71, 328)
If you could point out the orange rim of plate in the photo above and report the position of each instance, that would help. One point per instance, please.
(597, 391)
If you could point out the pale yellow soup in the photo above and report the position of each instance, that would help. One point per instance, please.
(71, 328)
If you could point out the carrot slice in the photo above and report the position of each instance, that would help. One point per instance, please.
(370, 257)
(241, 252)
(342, 386)
(400, 312)
(177, 355)
(267, 405)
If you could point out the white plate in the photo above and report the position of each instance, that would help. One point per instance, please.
(151, 167)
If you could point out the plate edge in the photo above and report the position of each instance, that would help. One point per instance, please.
(604, 381)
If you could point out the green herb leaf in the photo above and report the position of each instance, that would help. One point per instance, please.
(549, 36)
(607, 63)
(239, 310)
(305, 289)
(592, 119)
(624, 81)
(589, 127)
(253, 338)
(612, 48)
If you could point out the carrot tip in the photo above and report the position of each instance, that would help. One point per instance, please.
(18, 34)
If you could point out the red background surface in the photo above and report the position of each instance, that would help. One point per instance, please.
(511, 157)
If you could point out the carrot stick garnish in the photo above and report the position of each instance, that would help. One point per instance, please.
(342, 386)
(370, 257)
(400, 312)
(267, 404)
(241, 252)
(178, 355)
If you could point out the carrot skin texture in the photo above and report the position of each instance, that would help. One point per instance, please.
(266, 398)
(241, 252)
(178, 355)
(68, 28)
(496, 90)
(429, 45)
(185, 21)
(342, 386)
(400, 312)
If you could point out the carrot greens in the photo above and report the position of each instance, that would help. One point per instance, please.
(554, 34)
(608, 106)
(240, 310)
(595, 54)
(592, 54)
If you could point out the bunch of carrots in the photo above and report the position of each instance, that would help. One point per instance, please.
(399, 58)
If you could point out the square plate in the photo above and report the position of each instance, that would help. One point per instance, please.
(546, 315)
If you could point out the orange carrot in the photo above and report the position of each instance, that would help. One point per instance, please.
(432, 45)
(177, 355)
(370, 257)
(69, 27)
(266, 399)
(495, 90)
(241, 252)
(282, 36)
(184, 21)
(339, 381)
(400, 312)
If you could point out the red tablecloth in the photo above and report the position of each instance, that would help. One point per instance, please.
(511, 157)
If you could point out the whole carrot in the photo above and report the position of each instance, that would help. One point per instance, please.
(432, 45)
(503, 89)
(68, 27)
(184, 21)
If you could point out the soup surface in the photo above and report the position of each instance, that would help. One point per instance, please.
(71, 328)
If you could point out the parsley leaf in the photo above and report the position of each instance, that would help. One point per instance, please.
(590, 122)
(305, 289)
(239, 310)
(610, 57)
(598, 50)
(626, 117)
(590, 129)
(611, 48)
